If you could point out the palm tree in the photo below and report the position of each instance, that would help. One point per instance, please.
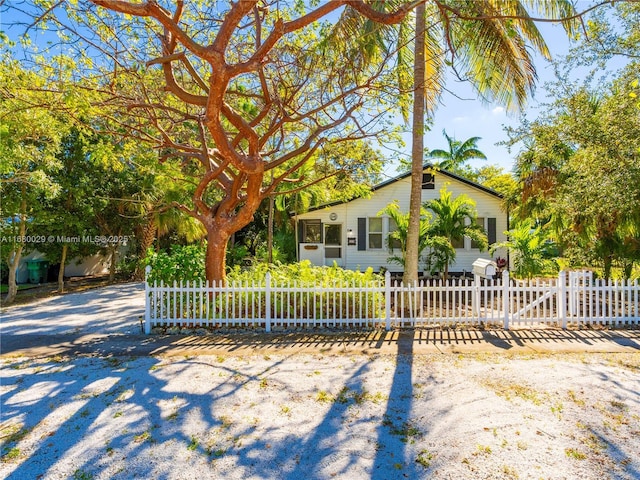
(454, 219)
(475, 39)
(458, 153)
(529, 246)
(397, 238)
(153, 205)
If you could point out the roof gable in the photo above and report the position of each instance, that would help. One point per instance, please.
(426, 168)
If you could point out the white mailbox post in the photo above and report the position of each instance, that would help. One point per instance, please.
(482, 268)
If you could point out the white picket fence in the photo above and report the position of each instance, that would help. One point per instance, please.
(574, 299)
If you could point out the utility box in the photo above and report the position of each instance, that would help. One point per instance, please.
(485, 268)
(38, 270)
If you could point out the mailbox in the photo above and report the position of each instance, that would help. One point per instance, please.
(484, 268)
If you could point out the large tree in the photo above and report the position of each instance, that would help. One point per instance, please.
(247, 93)
(489, 44)
(578, 168)
(579, 173)
(30, 139)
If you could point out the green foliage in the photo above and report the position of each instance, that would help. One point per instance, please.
(397, 240)
(237, 255)
(454, 218)
(579, 168)
(187, 264)
(442, 220)
(302, 273)
(531, 249)
(182, 264)
(580, 173)
(458, 153)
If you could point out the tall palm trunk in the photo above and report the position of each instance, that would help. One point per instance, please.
(417, 147)
(147, 234)
(270, 230)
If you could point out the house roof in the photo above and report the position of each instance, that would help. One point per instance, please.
(393, 180)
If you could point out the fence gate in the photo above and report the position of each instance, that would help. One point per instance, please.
(537, 302)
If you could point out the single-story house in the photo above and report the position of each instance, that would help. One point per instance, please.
(353, 235)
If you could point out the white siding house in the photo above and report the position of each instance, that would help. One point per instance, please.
(354, 236)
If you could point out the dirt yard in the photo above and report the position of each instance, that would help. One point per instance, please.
(322, 416)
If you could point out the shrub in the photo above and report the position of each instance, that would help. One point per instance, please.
(325, 299)
(184, 263)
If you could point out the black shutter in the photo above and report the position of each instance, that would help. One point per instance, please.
(362, 234)
(491, 231)
(300, 231)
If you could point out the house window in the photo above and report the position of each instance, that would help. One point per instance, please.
(312, 231)
(375, 232)
(479, 221)
(457, 242)
(428, 181)
(394, 243)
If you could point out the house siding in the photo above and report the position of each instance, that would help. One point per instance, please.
(348, 214)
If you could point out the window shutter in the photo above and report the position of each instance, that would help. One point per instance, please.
(491, 231)
(362, 233)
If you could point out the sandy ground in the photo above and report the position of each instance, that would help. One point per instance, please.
(314, 415)
(566, 416)
(110, 310)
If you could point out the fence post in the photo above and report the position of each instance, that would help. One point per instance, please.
(147, 301)
(387, 300)
(475, 297)
(562, 298)
(267, 297)
(506, 301)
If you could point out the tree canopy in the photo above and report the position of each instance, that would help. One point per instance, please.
(249, 95)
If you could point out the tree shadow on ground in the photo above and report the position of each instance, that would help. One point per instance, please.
(109, 417)
(397, 429)
(93, 416)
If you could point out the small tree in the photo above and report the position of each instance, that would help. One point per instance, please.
(455, 218)
(530, 247)
(458, 153)
(397, 239)
(30, 138)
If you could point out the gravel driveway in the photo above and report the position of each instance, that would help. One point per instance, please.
(108, 310)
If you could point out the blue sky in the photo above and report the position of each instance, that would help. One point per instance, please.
(463, 116)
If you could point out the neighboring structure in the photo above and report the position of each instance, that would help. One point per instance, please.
(354, 236)
(96, 264)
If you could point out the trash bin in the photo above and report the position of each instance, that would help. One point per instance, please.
(37, 270)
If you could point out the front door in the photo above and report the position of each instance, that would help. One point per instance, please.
(332, 244)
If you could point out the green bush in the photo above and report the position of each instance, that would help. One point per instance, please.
(245, 303)
(184, 263)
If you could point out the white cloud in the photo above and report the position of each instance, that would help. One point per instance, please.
(461, 119)
(498, 111)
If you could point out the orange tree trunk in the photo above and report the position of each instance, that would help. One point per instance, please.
(215, 258)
